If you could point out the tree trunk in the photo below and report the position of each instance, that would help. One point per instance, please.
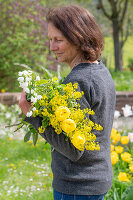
(117, 46)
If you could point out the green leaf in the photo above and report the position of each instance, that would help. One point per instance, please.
(128, 193)
(45, 122)
(35, 137)
(27, 136)
(116, 196)
(28, 97)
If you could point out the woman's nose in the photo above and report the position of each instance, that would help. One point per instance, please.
(53, 46)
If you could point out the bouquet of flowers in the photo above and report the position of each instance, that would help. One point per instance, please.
(57, 105)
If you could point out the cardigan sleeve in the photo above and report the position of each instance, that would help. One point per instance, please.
(58, 142)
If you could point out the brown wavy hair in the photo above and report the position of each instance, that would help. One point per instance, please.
(80, 28)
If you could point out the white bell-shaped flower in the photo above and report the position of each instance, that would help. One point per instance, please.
(127, 111)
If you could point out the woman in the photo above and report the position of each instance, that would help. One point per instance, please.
(76, 39)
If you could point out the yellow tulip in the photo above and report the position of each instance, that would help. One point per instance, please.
(124, 140)
(131, 167)
(126, 157)
(78, 140)
(114, 157)
(68, 126)
(119, 149)
(123, 177)
(62, 113)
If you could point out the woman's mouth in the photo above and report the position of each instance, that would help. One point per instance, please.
(58, 54)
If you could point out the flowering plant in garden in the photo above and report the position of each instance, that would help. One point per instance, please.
(122, 153)
(122, 162)
(57, 105)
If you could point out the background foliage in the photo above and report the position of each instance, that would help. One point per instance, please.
(23, 40)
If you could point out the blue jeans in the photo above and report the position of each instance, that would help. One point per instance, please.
(61, 196)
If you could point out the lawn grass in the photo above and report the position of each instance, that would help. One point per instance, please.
(25, 171)
(123, 80)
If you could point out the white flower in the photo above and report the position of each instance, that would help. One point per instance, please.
(35, 94)
(27, 90)
(32, 91)
(38, 78)
(24, 85)
(127, 111)
(21, 85)
(130, 135)
(20, 73)
(25, 72)
(33, 99)
(8, 115)
(28, 79)
(29, 114)
(116, 114)
(39, 97)
(34, 109)
(21, 79)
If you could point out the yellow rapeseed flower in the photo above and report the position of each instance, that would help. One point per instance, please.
(45, 112)
(91, 146)
(62, 113)
(44, 96)
(126, 157)
(35, 113)
(77, 115)
(124, 139)
(91, 123)
(91, 112)
(75, 85)
(77, 95)
(54, 79)
(98, 127)
(119, 149)
(42, 103)
(90, 137)
(68, 126)
(123, 177)
(69, 89)
(78, 140)
(114, 157)
(41, 129)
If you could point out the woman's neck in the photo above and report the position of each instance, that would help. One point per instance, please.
(79, 60)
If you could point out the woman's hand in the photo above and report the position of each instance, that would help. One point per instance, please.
(24, 104)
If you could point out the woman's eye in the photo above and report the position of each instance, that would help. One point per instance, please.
(59, 40)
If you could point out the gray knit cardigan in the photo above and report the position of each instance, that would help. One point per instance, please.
(85, 172)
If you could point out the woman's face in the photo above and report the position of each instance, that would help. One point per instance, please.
(63, 49)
